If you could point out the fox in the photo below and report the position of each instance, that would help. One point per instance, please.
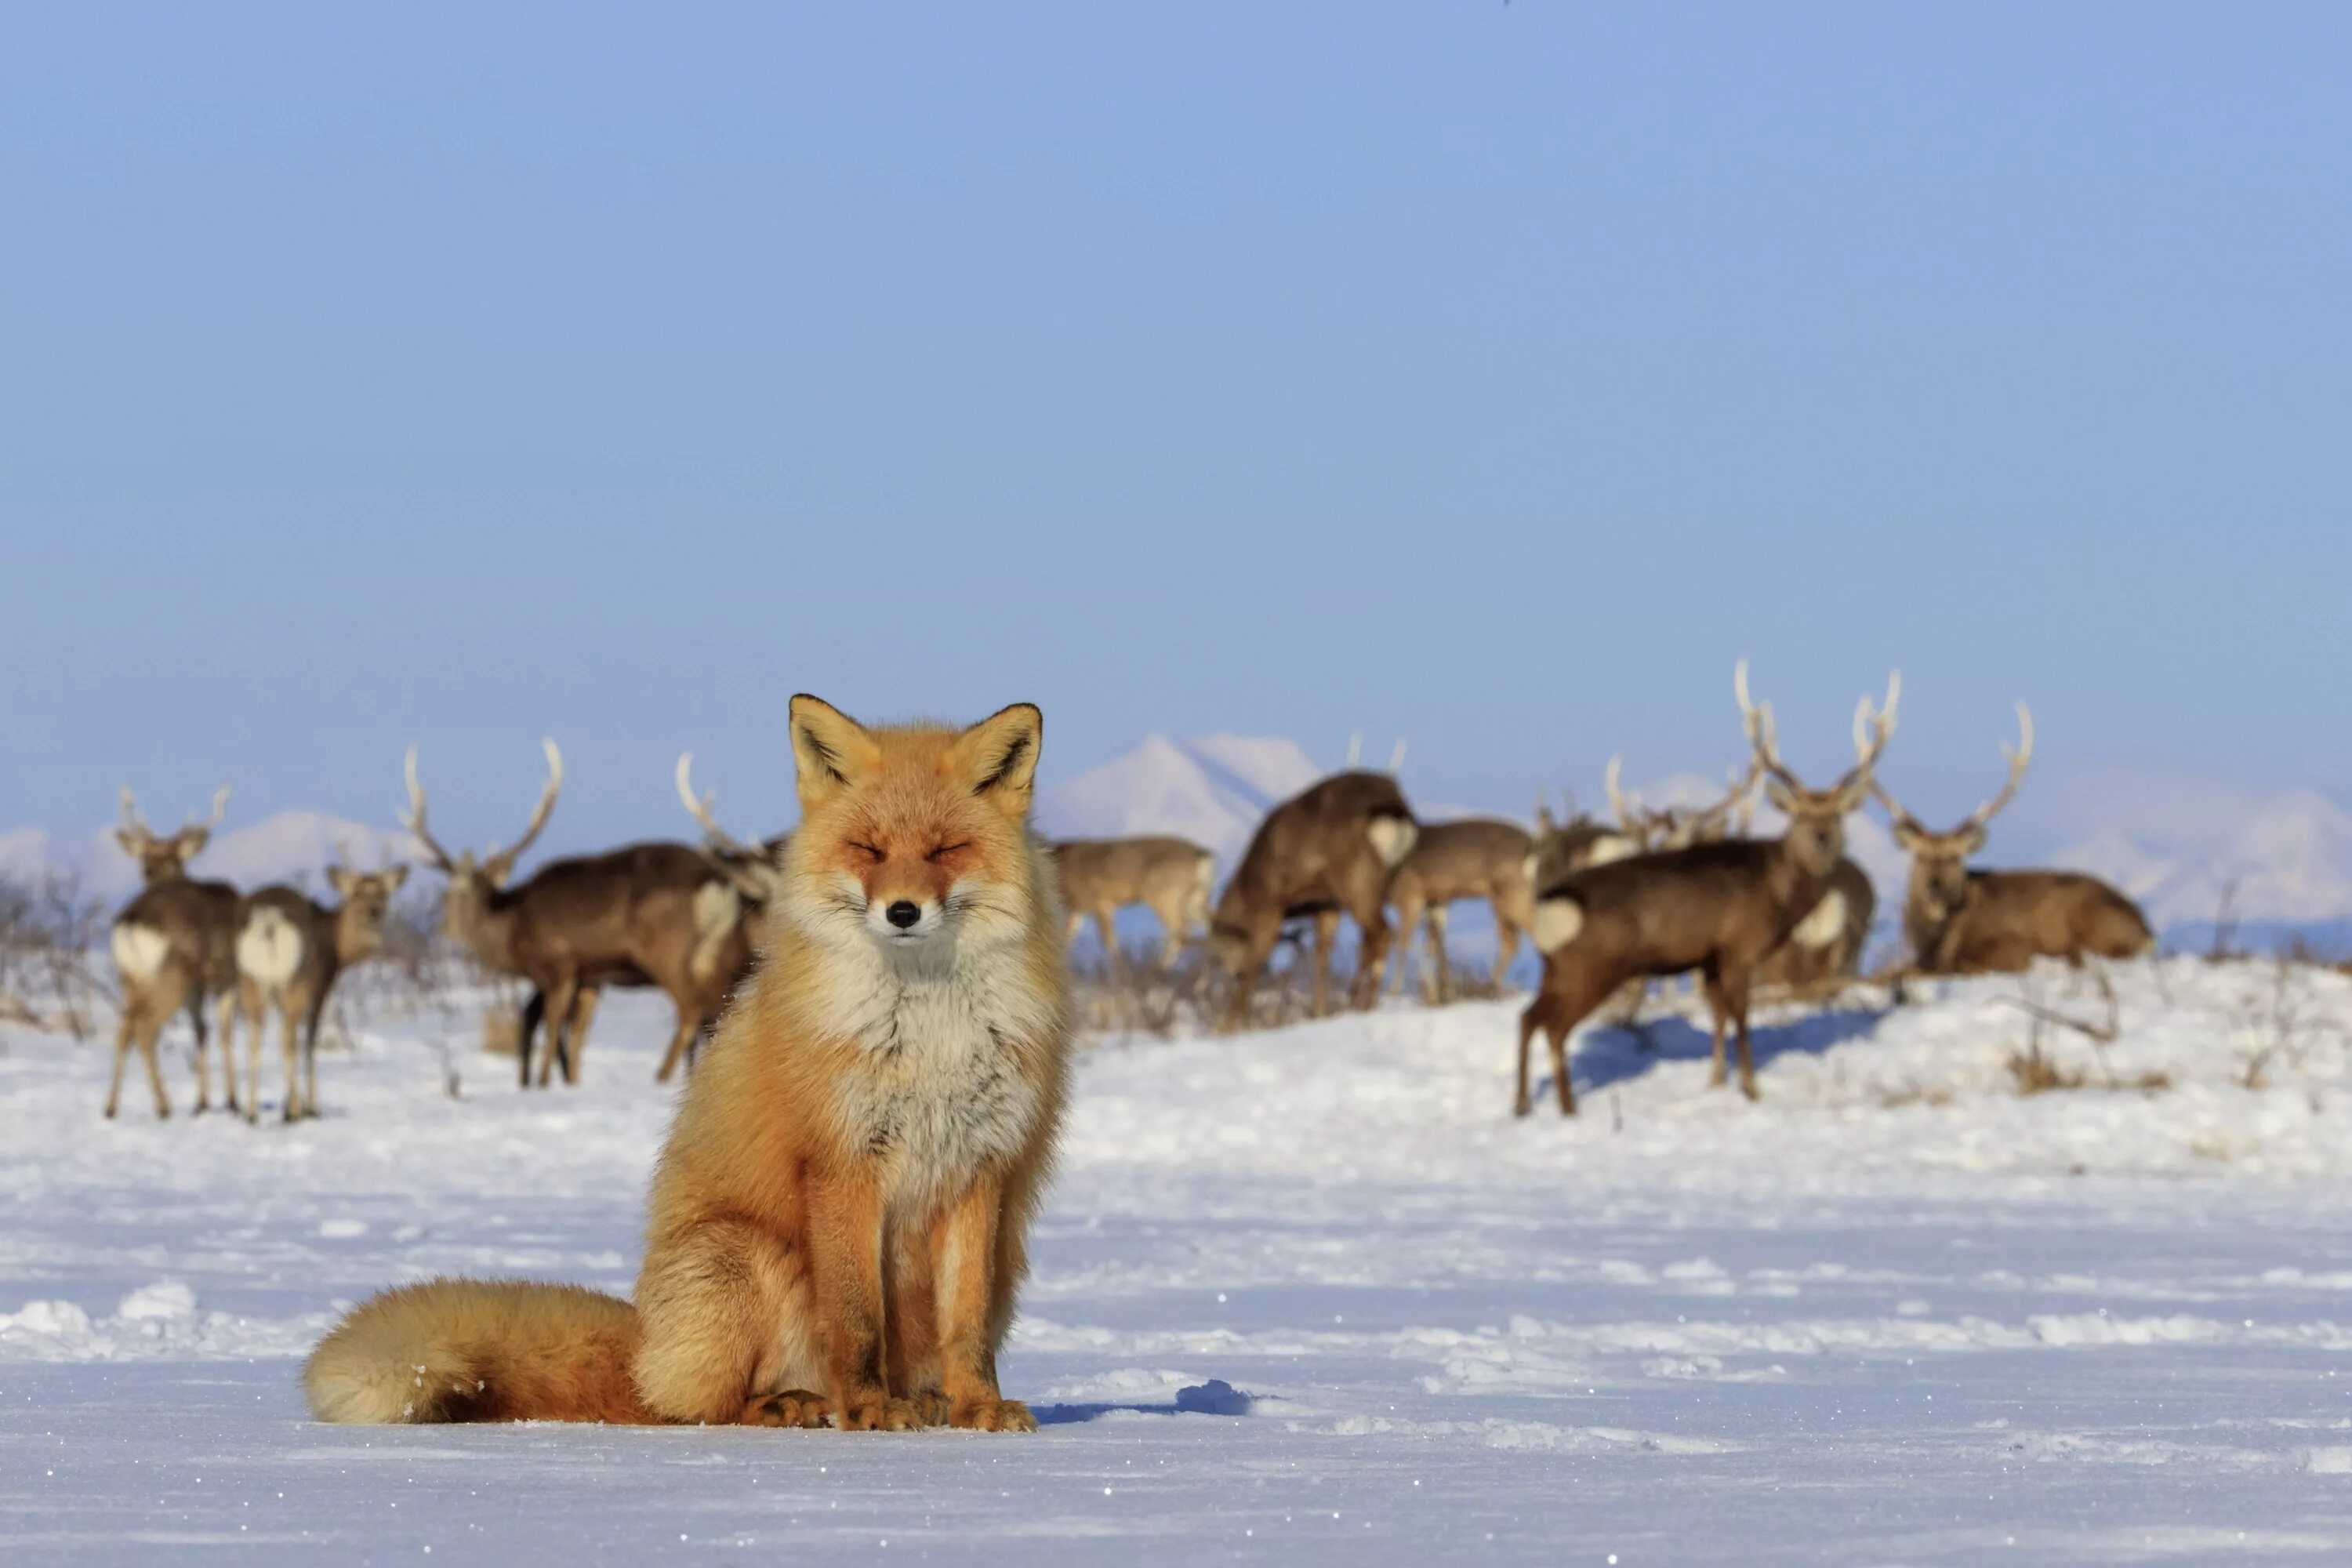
(838, 1221)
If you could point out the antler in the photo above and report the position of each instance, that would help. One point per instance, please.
(2017, 761)
(1740, 784)
(715, 835)
(220, 809)
(498, 864)
(1873, 728)
(412, 819)
(1631, 815)
(132, 821)
(1757, 721)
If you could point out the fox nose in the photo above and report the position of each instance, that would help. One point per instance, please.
(902, 914)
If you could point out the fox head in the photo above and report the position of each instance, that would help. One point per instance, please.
(915, 837)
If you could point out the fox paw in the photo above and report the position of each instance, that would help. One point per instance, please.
(797, 1407)
(993, 1415)
(932, 1406)
(880, 1415)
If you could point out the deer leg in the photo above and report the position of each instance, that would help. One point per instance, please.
(561, 997)
(229, 1007)
(1557, 1037)
(256, 1013)
(1718, 1007)
(290, 1048)
(681, 1038)
(575, 1037)
(314, 1013)
(1373, 953)
(1408, 913)
(1506, 945)
(1524, 1103)
(123, 1032)
(1438, 959)
(203, 1052)
(534, 1012)
(1736, 988)
(1327, 933)
(154, 1072)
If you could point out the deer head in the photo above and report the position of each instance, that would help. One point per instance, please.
(472, 881)
(1940, 861)
(161, 858)
(1816, 832)
(367, 898)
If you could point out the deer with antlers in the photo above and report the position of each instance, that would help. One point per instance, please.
(1570, 844)
(1718, 909)
(626, 917)
(1680, 826)
(290, 949)
(1169, 876)
(174, 945)
(1960, 921)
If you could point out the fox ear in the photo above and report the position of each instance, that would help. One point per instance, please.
(830, 749)
(998, 756)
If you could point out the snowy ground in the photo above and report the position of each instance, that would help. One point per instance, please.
(1309, 1296)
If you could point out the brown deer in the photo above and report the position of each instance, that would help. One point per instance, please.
(1826, 946)
(1718, 908)
(174, 945)
(626, 917)
(1169, 876)
(1563, 846)
(1328, 850)
(289, 951)
(1478, 858)
(1960, 921)
(730, 916)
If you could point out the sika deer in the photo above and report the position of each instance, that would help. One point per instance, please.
(174, 945)
(290, 952)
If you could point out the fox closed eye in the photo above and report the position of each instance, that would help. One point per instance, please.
(946, 849)
(877, 856)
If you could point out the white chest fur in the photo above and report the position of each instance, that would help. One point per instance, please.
(938, 1093)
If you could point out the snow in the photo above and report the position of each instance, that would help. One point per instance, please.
(1305, 1296)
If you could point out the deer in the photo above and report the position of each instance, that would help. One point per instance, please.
(730, 916)
(290, 950)
(174, 946)
(1718, 908)
(1572, 844)
(626, 917)
(1327, 850)
(1962, 922)
(1477, 857)
(1170, 876)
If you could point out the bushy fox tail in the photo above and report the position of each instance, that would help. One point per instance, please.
(472, 1350)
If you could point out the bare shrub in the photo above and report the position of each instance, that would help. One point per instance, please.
(52, 934)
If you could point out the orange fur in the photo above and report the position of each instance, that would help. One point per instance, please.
(838, 1218)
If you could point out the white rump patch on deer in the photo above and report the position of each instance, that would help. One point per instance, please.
(1392, 839)
(1528, 868)
(140, 951)
(1611, 846)
(717, 908)
(269, 948)
(1824, 925)
(1558, 923)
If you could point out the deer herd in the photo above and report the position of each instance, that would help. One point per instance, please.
(1661, 892)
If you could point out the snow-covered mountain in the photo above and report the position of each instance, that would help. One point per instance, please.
(2286, 858)
(1212, 789)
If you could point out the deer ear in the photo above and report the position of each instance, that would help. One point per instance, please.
(1778, 794)
(343, 879)
(998, 757)
(129, 840)
(830, 749)
(193, 841)
(1975, 841)
(1906, 838)
(394, 878)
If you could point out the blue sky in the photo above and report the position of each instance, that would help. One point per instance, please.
(1491, 375)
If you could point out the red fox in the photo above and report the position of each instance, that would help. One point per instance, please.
(839, 1218)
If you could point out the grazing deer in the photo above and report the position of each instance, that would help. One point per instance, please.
(626, 917)
(1328, 850)
(1169, 876)
(174, 945)
(1958, 922)
(1477, 858)
(1718, 908)
(289, 951)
